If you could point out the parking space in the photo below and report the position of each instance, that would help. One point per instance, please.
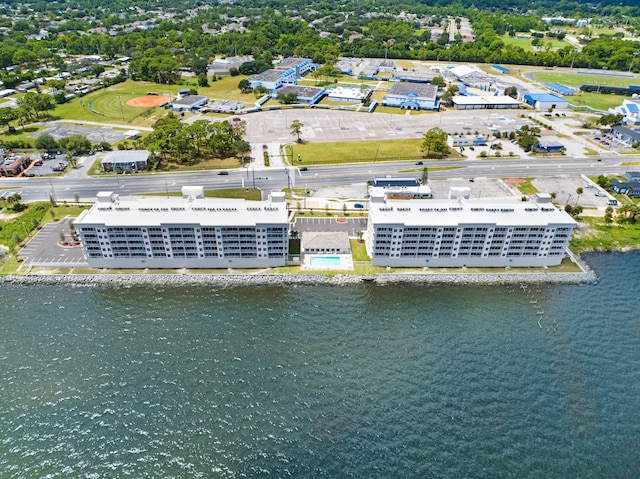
(480, 187)
(565, 189)
(47, 165)
(349, 225)
(44, 248)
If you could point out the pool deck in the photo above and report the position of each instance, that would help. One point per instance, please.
(346, 262)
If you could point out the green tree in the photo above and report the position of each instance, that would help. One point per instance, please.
(202, 80)
(439, 82)
(296, 128)
(244, 85)
(424, 176)
(511, 91)
(434, 143)
(46, 142)
(579, 191)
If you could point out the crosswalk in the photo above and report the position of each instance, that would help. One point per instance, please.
(7, 194)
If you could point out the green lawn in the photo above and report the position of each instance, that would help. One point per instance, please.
(22, 135)
(603, 237)
(319, 153)
(526, 188)
(525, 43)
(575, 80)
(251, 194)
(596, 100)
(359, 251)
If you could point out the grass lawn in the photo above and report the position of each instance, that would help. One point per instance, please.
(598, 101)
(603, 237)
(320, 153)
(575, 80)
(226, 88)
(251, 194)
(359, 251)
(526, 188)
(22, 135)
(525, 43)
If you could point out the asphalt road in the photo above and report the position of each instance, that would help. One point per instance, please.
(65, 188)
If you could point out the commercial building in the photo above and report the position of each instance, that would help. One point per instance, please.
(626, 135)
(544, 101)
(547, 145)
(461, 232)
(491, 102)
(188, 232)
(352, 94)
(630, 111)
(14, 163)
(125, 160)
(412, 96)
(286, 72)
(189, 103)
(456, 141)
(304, 94)
(396, 188)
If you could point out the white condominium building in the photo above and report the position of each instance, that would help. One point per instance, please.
(187, 232)
(463, 232)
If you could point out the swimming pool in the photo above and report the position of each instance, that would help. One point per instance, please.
(324, 261)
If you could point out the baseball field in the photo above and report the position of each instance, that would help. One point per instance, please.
(134, 103)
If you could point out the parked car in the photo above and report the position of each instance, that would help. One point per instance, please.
(600, 193)
(358, 205)
(38, 163)
(588, 185)
(612, 202)
(472, 180)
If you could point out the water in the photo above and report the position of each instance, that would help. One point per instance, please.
(324, 261)
(312, 382)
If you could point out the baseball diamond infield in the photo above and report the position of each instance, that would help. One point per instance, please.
(149, 100)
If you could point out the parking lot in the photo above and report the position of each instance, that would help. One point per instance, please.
(565, 189)
(351, 226)
(43, 249)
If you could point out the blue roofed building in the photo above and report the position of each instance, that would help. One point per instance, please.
(630, 111)
(560, 89)
(286, 72)
(412, 96)
(544, 101)
(500, 69)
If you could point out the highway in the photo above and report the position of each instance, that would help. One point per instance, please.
(66, 188)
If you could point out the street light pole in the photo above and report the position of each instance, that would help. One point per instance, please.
(635, 54)
(305, 196)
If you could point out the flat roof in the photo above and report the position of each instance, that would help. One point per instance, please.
(325, 240)
(144, 211)
(456, 212)
(301, 91)
(544, 97)
(417, 89)
(190, 100)
(126, 156)
(484, 100)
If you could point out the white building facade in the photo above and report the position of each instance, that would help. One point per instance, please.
(188, 232)
(460, 232)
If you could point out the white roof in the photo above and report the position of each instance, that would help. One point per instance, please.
(460, 212)
(484, 100)
(462, 70)
(155, 211)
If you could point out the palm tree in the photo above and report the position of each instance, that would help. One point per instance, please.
(579, 191)
(296, 128)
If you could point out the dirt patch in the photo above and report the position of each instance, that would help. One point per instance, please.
(149, 100)
(514, 181)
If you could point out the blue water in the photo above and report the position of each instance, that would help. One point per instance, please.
(311, 382)
(324, 261)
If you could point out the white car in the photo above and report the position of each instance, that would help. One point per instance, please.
(600, 193)
(588, 185)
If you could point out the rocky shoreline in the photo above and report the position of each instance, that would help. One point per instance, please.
(229, 280)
